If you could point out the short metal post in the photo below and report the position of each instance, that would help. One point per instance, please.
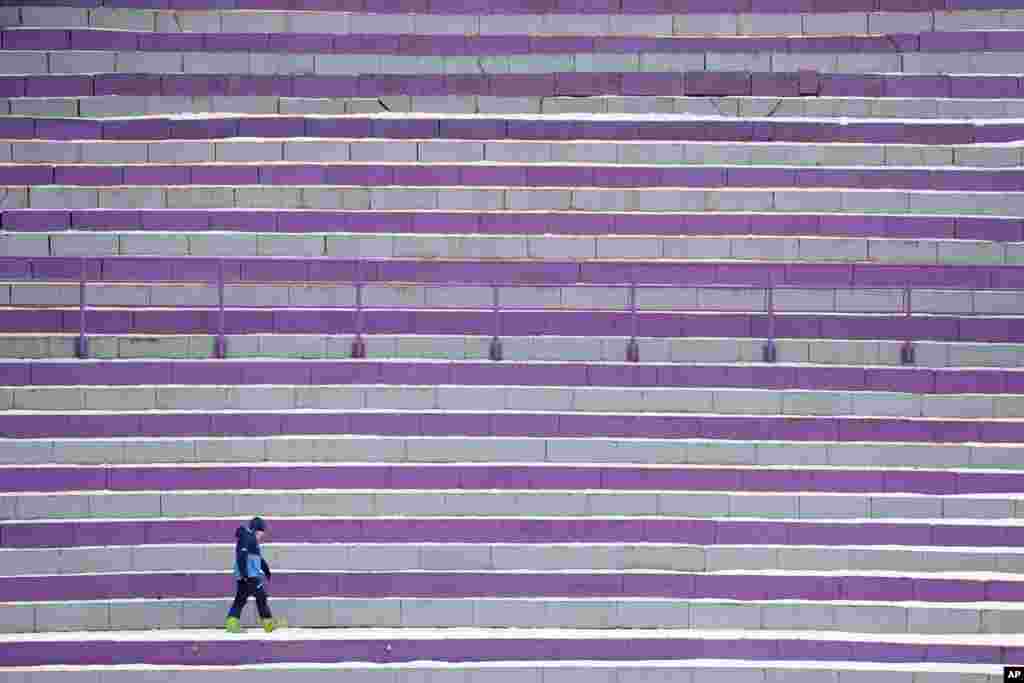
(82, 346)
(495, 351)
(359, 344)
(220, 345)
(632, 348)
(769, 352)
(907, 350)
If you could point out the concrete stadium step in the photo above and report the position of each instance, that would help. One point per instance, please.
(311, 479)
(523, 223)
(692, 83)
(514, 503)
(540, 398)
(822, 298)
(173, 613)
(202, 647)
(589, 324)
(645, 451)
(102, 106)
(512, 247)
(444, 56)
(607, 272)
(384, 422)
(949, 590)
(847, 201)
(399, 127)
(507, 175)
(550, 348)
(690, 671)
(863, 560)
(300, 375)
(897, 17)
(65, 45)
(974, 533)
(328, 150)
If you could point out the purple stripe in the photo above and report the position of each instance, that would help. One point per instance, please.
(146, 478)
(994, 229)
(226, 653)
(514, 322)
(515, 530)
(536, 85)
(781, 428)
(925, 133)
(679, 586)
(191, 269)
(417, 44)
(514, 176)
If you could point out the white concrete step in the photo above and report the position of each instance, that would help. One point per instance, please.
(65, 62)
(102, 106)
(264, 21)
(507, 503)
(814, 200)
(534, 398)
(335, 150)
(511, 247)
(925, 562)
(142, 451)
(606, 613)
(548, 348)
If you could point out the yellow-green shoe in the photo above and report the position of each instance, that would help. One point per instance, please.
(275, 624)
(232, 625)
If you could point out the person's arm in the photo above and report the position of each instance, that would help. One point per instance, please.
(242, 560)
(266, 568)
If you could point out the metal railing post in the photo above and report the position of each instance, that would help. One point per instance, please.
(907, 350)
(769, 352)
(494, 352)
(632, 347)
(82, 345)
(220, 345)
(359, 344)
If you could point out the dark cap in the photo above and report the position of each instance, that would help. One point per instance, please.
(257, 524)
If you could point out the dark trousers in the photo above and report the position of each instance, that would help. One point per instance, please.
(243, 591)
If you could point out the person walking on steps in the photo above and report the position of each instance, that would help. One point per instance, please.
(251, 574)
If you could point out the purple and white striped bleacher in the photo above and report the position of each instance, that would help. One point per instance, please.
(556, 340)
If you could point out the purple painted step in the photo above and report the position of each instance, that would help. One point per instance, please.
(319, 270)
(452, 423)
(518, 477)
(486, 373)
(681, 586)
(516, 323)
(507, 175)
(417, 44)
(159, 128)
(508, 222)
(67, 533)
(557, 6)
(452, 649)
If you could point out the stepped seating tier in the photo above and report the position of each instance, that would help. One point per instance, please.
(391, 646)
(95, 376)
(987, 228)
(20, 43)
(566, 83)
(740, 107)
(553, 128)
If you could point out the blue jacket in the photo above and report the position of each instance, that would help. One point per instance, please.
(249, 562)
